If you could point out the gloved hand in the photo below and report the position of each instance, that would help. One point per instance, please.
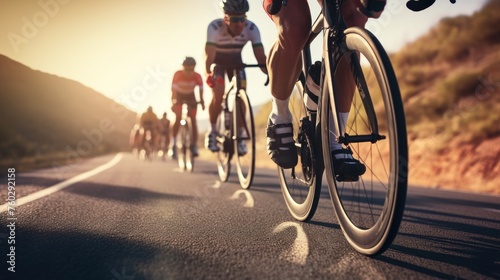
(213, 80)
(372, 8)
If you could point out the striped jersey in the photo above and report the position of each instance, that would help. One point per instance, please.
(185, 84)
(229, 47)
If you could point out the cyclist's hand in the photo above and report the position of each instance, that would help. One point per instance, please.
(213, 80)
(372, 8)
(210, 80)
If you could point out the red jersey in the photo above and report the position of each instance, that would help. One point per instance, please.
(184, 84)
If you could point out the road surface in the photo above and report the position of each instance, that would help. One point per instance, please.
(132, 219)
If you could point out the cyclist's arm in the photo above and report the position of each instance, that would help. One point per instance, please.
(199, 83)
(260, 56)
(174, 88)
(210, 51)
(258, 48)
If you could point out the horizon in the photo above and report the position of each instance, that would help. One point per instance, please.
(133, 41)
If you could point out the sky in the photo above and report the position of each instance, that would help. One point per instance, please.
(129, 50)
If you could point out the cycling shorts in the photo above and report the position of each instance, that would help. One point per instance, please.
(189, 99)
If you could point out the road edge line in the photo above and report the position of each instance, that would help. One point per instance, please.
(57, 187)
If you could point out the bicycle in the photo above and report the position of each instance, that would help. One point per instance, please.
(369, 209)
(185, 157)
(147, 150)
(235, 123)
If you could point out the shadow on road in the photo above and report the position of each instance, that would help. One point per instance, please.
(457, 239)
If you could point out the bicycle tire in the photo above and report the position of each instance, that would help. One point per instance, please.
(369, 210)
(224, 143)
(185, 157)
(189, 156)
(301, 185)
(245, 162)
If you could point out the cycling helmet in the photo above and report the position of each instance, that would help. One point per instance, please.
(189, 61)
(236, 7)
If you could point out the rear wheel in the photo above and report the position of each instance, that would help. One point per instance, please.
(300, 185)
(244, 144)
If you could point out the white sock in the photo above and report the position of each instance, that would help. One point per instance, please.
(280, 113)
(334, 145)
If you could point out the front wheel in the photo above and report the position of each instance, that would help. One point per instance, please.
(184, 148)
(244, 144)
(224, 142)
(369, 209)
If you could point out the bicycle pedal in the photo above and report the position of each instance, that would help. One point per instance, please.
(346, 178)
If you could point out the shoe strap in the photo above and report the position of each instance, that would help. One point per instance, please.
(272, 131)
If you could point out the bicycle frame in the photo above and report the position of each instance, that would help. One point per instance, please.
(238, 82)
(332, 23)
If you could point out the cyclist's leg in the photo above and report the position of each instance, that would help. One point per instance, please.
(346, 87)
(177, 109)
(284, 63)
(214, 110)
(214, 107)
(192, 115)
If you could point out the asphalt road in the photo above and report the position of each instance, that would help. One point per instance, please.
(134, 219)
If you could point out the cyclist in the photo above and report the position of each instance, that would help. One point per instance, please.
(226, 37)
(293, 23)
(149, 122)
(164, 132)
(183, 85)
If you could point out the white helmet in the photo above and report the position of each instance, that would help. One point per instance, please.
(236, 7)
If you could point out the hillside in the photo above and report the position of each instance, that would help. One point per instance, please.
(47, 120)
(450, 82)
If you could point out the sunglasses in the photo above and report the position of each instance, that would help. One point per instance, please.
(236, 19)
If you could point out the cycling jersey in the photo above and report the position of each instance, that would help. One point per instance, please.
(185, 84)
(149, 120)
(229, 47)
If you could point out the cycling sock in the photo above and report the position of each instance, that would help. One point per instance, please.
(213, 128)
(280, 113)
(334, 145)
(241, 132)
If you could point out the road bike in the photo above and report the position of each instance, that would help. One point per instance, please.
(164, 143)
(235, 126)
(185, 144)
(370, 207)
(147, 151)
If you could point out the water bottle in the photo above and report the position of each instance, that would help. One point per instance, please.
(311, 89)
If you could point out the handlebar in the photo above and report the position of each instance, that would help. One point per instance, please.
(243, 65)
(260, 66)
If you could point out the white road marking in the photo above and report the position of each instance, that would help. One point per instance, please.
(249, 203)
(492, 210)
(55, 188)
(216, 185)
(300, 248)
(365, 268)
